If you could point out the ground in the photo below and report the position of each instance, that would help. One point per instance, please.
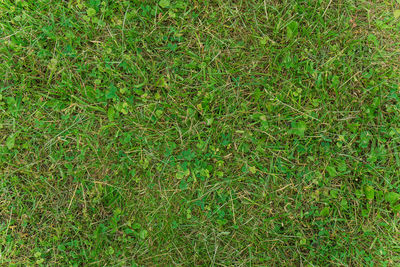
(212, 133)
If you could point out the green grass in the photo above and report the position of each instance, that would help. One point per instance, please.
(212, 133)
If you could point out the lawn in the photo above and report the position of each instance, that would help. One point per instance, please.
(201, 132)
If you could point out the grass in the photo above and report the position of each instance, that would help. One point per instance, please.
(211, 133)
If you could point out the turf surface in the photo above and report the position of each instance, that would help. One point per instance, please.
(213, 133)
